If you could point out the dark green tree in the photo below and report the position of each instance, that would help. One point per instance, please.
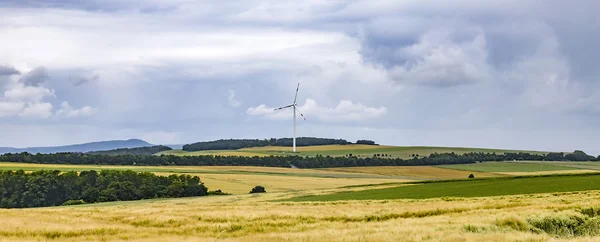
(258, 189)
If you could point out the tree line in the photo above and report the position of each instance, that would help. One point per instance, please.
(234, 144)
(19, 189)
(318, 161)
(148, 150)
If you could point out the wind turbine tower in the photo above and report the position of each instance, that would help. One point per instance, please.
(295, 109)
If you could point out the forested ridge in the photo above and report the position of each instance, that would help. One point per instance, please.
(19, 189)
(286, 161)
(148, 150)
(234, 144)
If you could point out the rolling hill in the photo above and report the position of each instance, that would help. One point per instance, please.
(344, 150)
(85, 147)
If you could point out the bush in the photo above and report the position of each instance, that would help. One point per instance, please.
(591, 212)
(258, 189)
(567, 225)
(217, 192)
(471, 176)
(73, 202)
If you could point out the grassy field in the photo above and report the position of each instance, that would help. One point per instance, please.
(343, 150)
(470, 188)
(588, 165)
(251, 218)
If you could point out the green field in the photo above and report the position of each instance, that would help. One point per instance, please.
(470, 188)
(343, 150)
(510, 167)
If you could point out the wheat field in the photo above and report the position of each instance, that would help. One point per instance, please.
(254, 218)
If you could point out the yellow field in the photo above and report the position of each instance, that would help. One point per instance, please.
(404, 152)
(252, 218)
(242, 184)
(429, 172)
(191, 169)
(212, 152)
(240, 179)
(316, 148)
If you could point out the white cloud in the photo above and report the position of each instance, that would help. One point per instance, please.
(67, 111)
(8, 109)
(37, 110)
(346, 110)
(28, 93)
(25, 96)
(232, 100)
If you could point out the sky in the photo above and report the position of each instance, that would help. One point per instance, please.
(502, 74)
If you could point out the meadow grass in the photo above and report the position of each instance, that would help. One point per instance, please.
(250, 218)
(589, 165)
(470, 188)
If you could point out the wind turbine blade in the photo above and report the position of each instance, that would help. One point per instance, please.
(297, 110)
(296, 97)
(288, 106)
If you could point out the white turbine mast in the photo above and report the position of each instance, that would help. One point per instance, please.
(295, 109)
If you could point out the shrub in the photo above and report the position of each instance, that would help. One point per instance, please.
(567, 225)
(592, 212)
(73, 202)
(471, 176)
(217, 192)
(258, 189)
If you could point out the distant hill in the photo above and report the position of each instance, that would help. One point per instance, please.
(86, 147)
(147, 150)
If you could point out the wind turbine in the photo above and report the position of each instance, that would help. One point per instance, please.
(293, 106)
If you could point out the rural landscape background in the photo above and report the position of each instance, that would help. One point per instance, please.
(425, 193)
(266, 120)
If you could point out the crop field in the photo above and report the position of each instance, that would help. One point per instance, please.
(334, 204)
(343, 150)
(425, 172)
(532, 217)
(213, 152)
(509, 167)
(239, 180)
(471, 188)
(242, 184)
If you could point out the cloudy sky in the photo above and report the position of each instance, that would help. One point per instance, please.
(505, 74)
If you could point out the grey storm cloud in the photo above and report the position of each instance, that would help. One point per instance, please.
(509, 65)
(429, 45)
(8, 70)
(35, 77)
